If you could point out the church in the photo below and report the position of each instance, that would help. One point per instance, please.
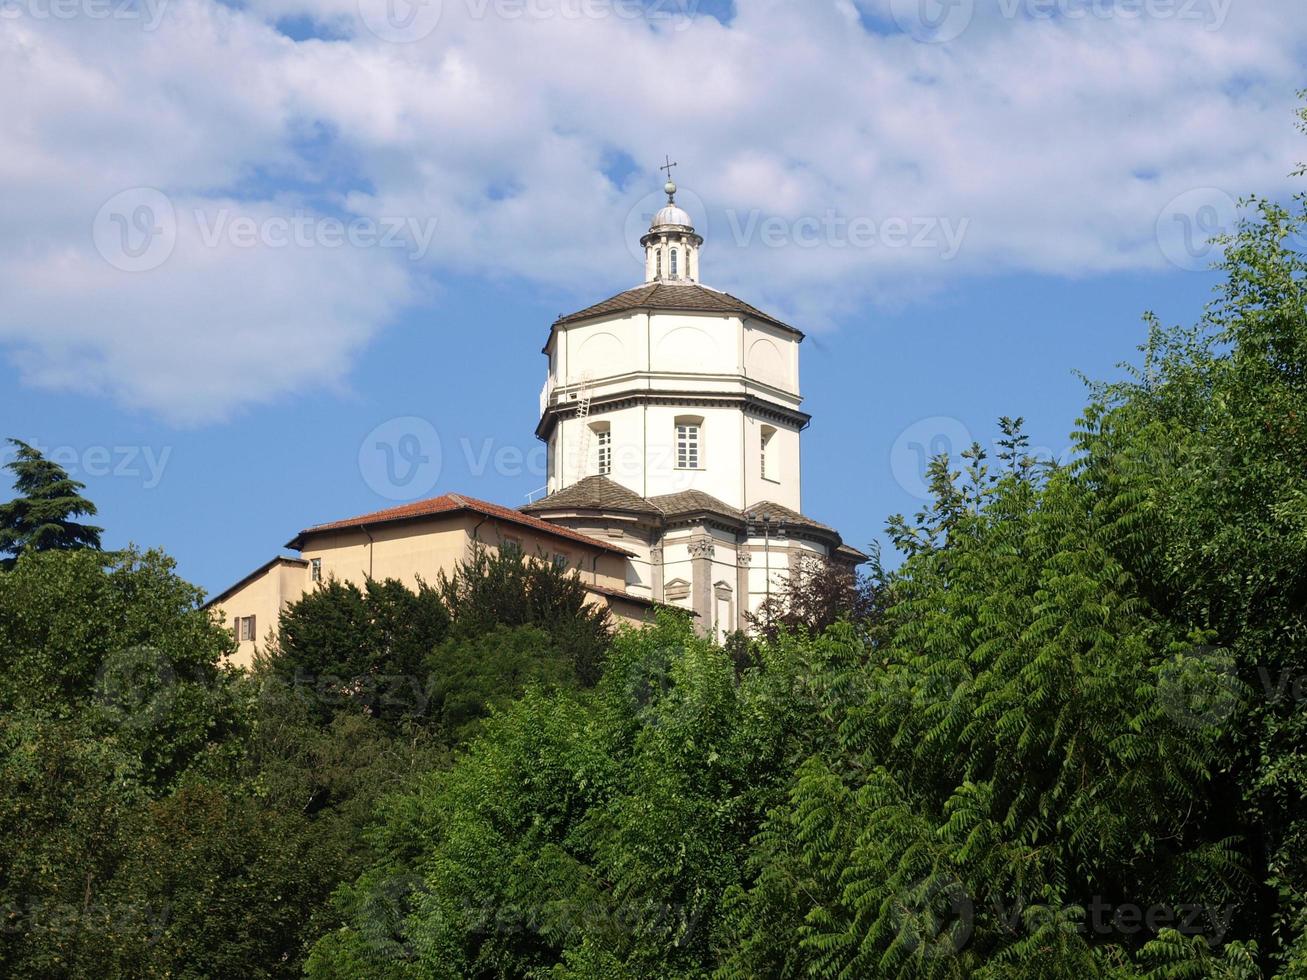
(673, 419)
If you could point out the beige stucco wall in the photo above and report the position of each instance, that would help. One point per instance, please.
(410, 552)
(263, 598)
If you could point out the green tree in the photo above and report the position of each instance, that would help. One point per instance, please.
(41, 517)
(1071, 744)
(119, 642)
(492, 589)
(816, 595)
(360, 650)
(472, 676)
(589, 833)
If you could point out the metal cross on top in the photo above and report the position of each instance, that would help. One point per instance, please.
(668, 167)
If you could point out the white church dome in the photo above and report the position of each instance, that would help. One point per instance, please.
(672, 214)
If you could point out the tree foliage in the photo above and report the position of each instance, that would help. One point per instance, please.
(40, 518)
(816, 594)
(1070, 741)
(1066, 738)
(508, 588)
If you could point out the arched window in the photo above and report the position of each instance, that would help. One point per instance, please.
(659, 273)
(673, 263)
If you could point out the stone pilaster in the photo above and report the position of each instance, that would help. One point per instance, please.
(656, 572)
(702, 550)
(744, 561)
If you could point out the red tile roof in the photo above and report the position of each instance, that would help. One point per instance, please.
(452, 503)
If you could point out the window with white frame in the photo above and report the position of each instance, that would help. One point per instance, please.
(767, 453)
(315, 569)
(674, 263)
(659, 274)
(603, 450)
(689, 448)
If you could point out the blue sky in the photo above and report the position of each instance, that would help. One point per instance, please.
(214, 389)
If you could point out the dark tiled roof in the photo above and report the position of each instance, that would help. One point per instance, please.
(594, 493)
(853, 554)
(694, 502)
(691, 502)
(687, 296)
(768, 511)
(600, 493)
(639, 600)
(452, 503)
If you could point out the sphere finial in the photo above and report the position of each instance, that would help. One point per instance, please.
(670, 186)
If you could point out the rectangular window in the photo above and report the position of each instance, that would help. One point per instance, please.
(767, 455)
(245, 628)
(605, 451)
(687, 447)
(561, 562)
(315, 569)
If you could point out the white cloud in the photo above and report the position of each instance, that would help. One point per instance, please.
(1029, 143)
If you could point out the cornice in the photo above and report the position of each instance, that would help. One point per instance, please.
(764, 408)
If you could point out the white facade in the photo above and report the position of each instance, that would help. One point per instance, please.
(644, 373)
(673, 419)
